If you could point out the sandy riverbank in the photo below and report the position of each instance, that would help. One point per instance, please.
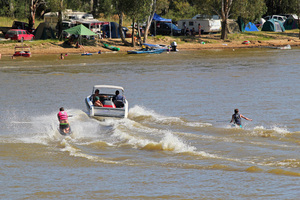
(184, 43)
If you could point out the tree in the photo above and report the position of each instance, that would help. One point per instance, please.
(232, 8)
(58, 6)
(151, 11)
(34, 4)
(137, 11)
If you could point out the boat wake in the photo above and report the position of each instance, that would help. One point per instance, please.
(144, 130)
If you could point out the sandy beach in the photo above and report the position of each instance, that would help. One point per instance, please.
(191, 43)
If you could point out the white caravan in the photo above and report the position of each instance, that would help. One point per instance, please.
(207, 25)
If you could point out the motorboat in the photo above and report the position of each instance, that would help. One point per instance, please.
(111, 106)
(23, 51)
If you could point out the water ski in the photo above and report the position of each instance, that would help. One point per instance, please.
(236, 126)
(64, 129)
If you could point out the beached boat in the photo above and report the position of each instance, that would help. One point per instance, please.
(86, 54)
(23, 51)
(285, 47)
(110, 47)
(111, 107)
(147, 51)
(280, 47)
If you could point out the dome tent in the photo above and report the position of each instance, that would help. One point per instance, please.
(291, 23)
(273, 25)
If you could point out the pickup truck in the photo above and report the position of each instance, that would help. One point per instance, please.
(17, 25)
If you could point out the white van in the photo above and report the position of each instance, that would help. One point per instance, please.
(207, 25)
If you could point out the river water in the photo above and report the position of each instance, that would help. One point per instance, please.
(177, 142)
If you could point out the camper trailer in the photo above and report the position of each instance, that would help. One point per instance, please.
(69, 18)
(207, 25)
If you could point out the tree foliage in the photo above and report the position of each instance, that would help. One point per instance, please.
(139, 11)
(249, 10)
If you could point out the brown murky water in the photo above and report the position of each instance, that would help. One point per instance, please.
(177, 142)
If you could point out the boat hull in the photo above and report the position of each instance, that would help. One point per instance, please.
(94, 111)
(22, 54)
(154, 51)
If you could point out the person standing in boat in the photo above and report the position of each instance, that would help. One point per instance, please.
(237, 118)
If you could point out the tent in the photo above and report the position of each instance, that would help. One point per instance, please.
(273, 25)
(157, 18)
(43, 32)
(250, 27)
(241, 24)
(233, 26)
(80, 30)
(111, 30)
(290, 23)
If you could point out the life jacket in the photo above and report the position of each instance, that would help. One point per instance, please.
(62, 115)
(237, 118)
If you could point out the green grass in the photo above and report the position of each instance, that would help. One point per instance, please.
(8, 21)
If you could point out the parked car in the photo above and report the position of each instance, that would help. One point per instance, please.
(165, 28)
(19, 34)
(277, 17)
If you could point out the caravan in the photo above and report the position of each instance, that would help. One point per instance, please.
(207, 25)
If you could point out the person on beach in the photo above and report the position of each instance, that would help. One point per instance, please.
(237, 118)
(199, 29)
(62, 56)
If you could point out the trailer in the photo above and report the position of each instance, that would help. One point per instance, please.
(207, 25)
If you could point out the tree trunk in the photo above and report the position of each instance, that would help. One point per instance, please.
(32, 9)
(132, 33)
(224, 29)
(149, 20)
(226, 6)
(92, 6)
(121, 31)
(12, 9)
(60, 18)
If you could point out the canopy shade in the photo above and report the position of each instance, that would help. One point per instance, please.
(80, 30)
(156, 17)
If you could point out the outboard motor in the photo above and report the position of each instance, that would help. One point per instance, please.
(174, 46)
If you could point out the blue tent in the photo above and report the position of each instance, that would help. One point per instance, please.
(112, 30)
(250, 27)
(156, 17)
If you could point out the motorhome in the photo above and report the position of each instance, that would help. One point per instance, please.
(208, 25)
(69, 18)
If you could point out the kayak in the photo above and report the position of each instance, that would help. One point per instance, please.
(113, 48)
(65, 129)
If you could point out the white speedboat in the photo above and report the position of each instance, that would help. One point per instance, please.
(111, 107)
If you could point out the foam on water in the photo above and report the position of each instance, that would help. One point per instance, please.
(140, 113)
(272, 131)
